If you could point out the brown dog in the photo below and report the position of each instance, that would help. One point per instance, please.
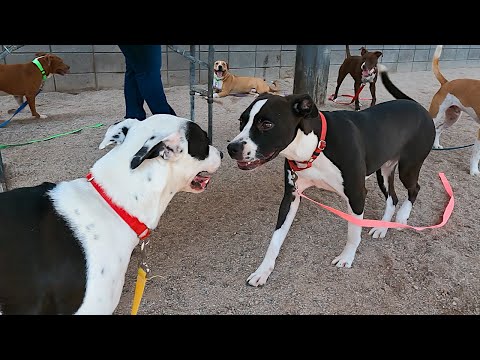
(363, 69)
(26, 79)
(453, 98)
(225, 83)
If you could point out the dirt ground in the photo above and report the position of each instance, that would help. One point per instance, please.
(206, 245)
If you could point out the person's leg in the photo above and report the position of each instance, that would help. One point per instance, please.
(147, 62)
(133, 98)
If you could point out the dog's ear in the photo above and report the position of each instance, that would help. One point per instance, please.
(226, 64)
(168, 148)
(378, 54)
(303, 105)
(363, 50)
(117, 132)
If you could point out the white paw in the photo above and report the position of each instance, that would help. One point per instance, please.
(474, 172)
(43, 116)
(345, 259)
(378, 232)
(216, 95)
(437, 146)
(259, 277)
(401, 220)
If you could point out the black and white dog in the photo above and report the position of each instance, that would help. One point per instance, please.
(355, 145)
(63, 247)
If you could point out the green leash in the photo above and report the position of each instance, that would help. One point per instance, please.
(4, 146)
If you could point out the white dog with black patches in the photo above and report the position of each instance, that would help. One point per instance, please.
(75, 246)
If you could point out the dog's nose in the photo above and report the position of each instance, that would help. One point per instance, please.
(235, 149)
(221, 155)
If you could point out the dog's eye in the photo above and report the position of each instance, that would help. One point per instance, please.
(265, 125)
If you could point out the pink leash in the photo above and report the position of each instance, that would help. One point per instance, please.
(351, 96)
(388, 224)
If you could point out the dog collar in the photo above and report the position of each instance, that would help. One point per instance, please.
(40, 67)
(321, 145)
(136, 225)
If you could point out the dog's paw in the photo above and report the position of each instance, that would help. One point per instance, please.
(474, 172)
(43, 116)
(378, 232)
(345, 259)
(259, 277)
(437, 146)
(216, 95)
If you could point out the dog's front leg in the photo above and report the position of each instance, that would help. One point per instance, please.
(356, 204)
(33, 110)
(286, 214)
(373, 91)
(220, 94)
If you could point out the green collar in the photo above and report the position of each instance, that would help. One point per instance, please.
(40, 67)
(217, 78)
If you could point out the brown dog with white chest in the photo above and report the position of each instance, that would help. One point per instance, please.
(363, 69)
(225, 83)
(25, 80)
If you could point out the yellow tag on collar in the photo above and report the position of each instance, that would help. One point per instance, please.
(40, 67)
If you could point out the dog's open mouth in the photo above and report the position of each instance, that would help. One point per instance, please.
(368, 75)
(200, 181)
(219, 73)
(250, 165)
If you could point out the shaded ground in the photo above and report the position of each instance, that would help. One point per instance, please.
(206, 245)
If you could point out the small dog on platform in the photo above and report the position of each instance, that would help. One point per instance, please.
(226, 83)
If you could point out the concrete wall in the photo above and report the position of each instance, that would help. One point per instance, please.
(103, 66)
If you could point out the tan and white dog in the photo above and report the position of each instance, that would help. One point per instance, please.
(225, 83)
(453, 98)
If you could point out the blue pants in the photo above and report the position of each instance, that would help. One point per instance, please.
(143, 81)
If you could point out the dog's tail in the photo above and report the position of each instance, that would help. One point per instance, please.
(392, 89)
(274, 86)
(347, 51)
(435, 67)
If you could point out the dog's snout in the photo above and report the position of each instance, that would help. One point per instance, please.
(220, 67)
(235, 150)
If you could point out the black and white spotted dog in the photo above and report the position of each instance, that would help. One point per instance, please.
(64, 250)
(397, 133)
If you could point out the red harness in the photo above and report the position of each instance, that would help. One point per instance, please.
(140, 228)
(321, 145)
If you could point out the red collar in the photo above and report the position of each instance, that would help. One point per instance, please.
(140, 228)
(321, 145)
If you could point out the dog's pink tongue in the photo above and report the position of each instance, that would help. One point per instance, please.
(365, 73)
(201, 180)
